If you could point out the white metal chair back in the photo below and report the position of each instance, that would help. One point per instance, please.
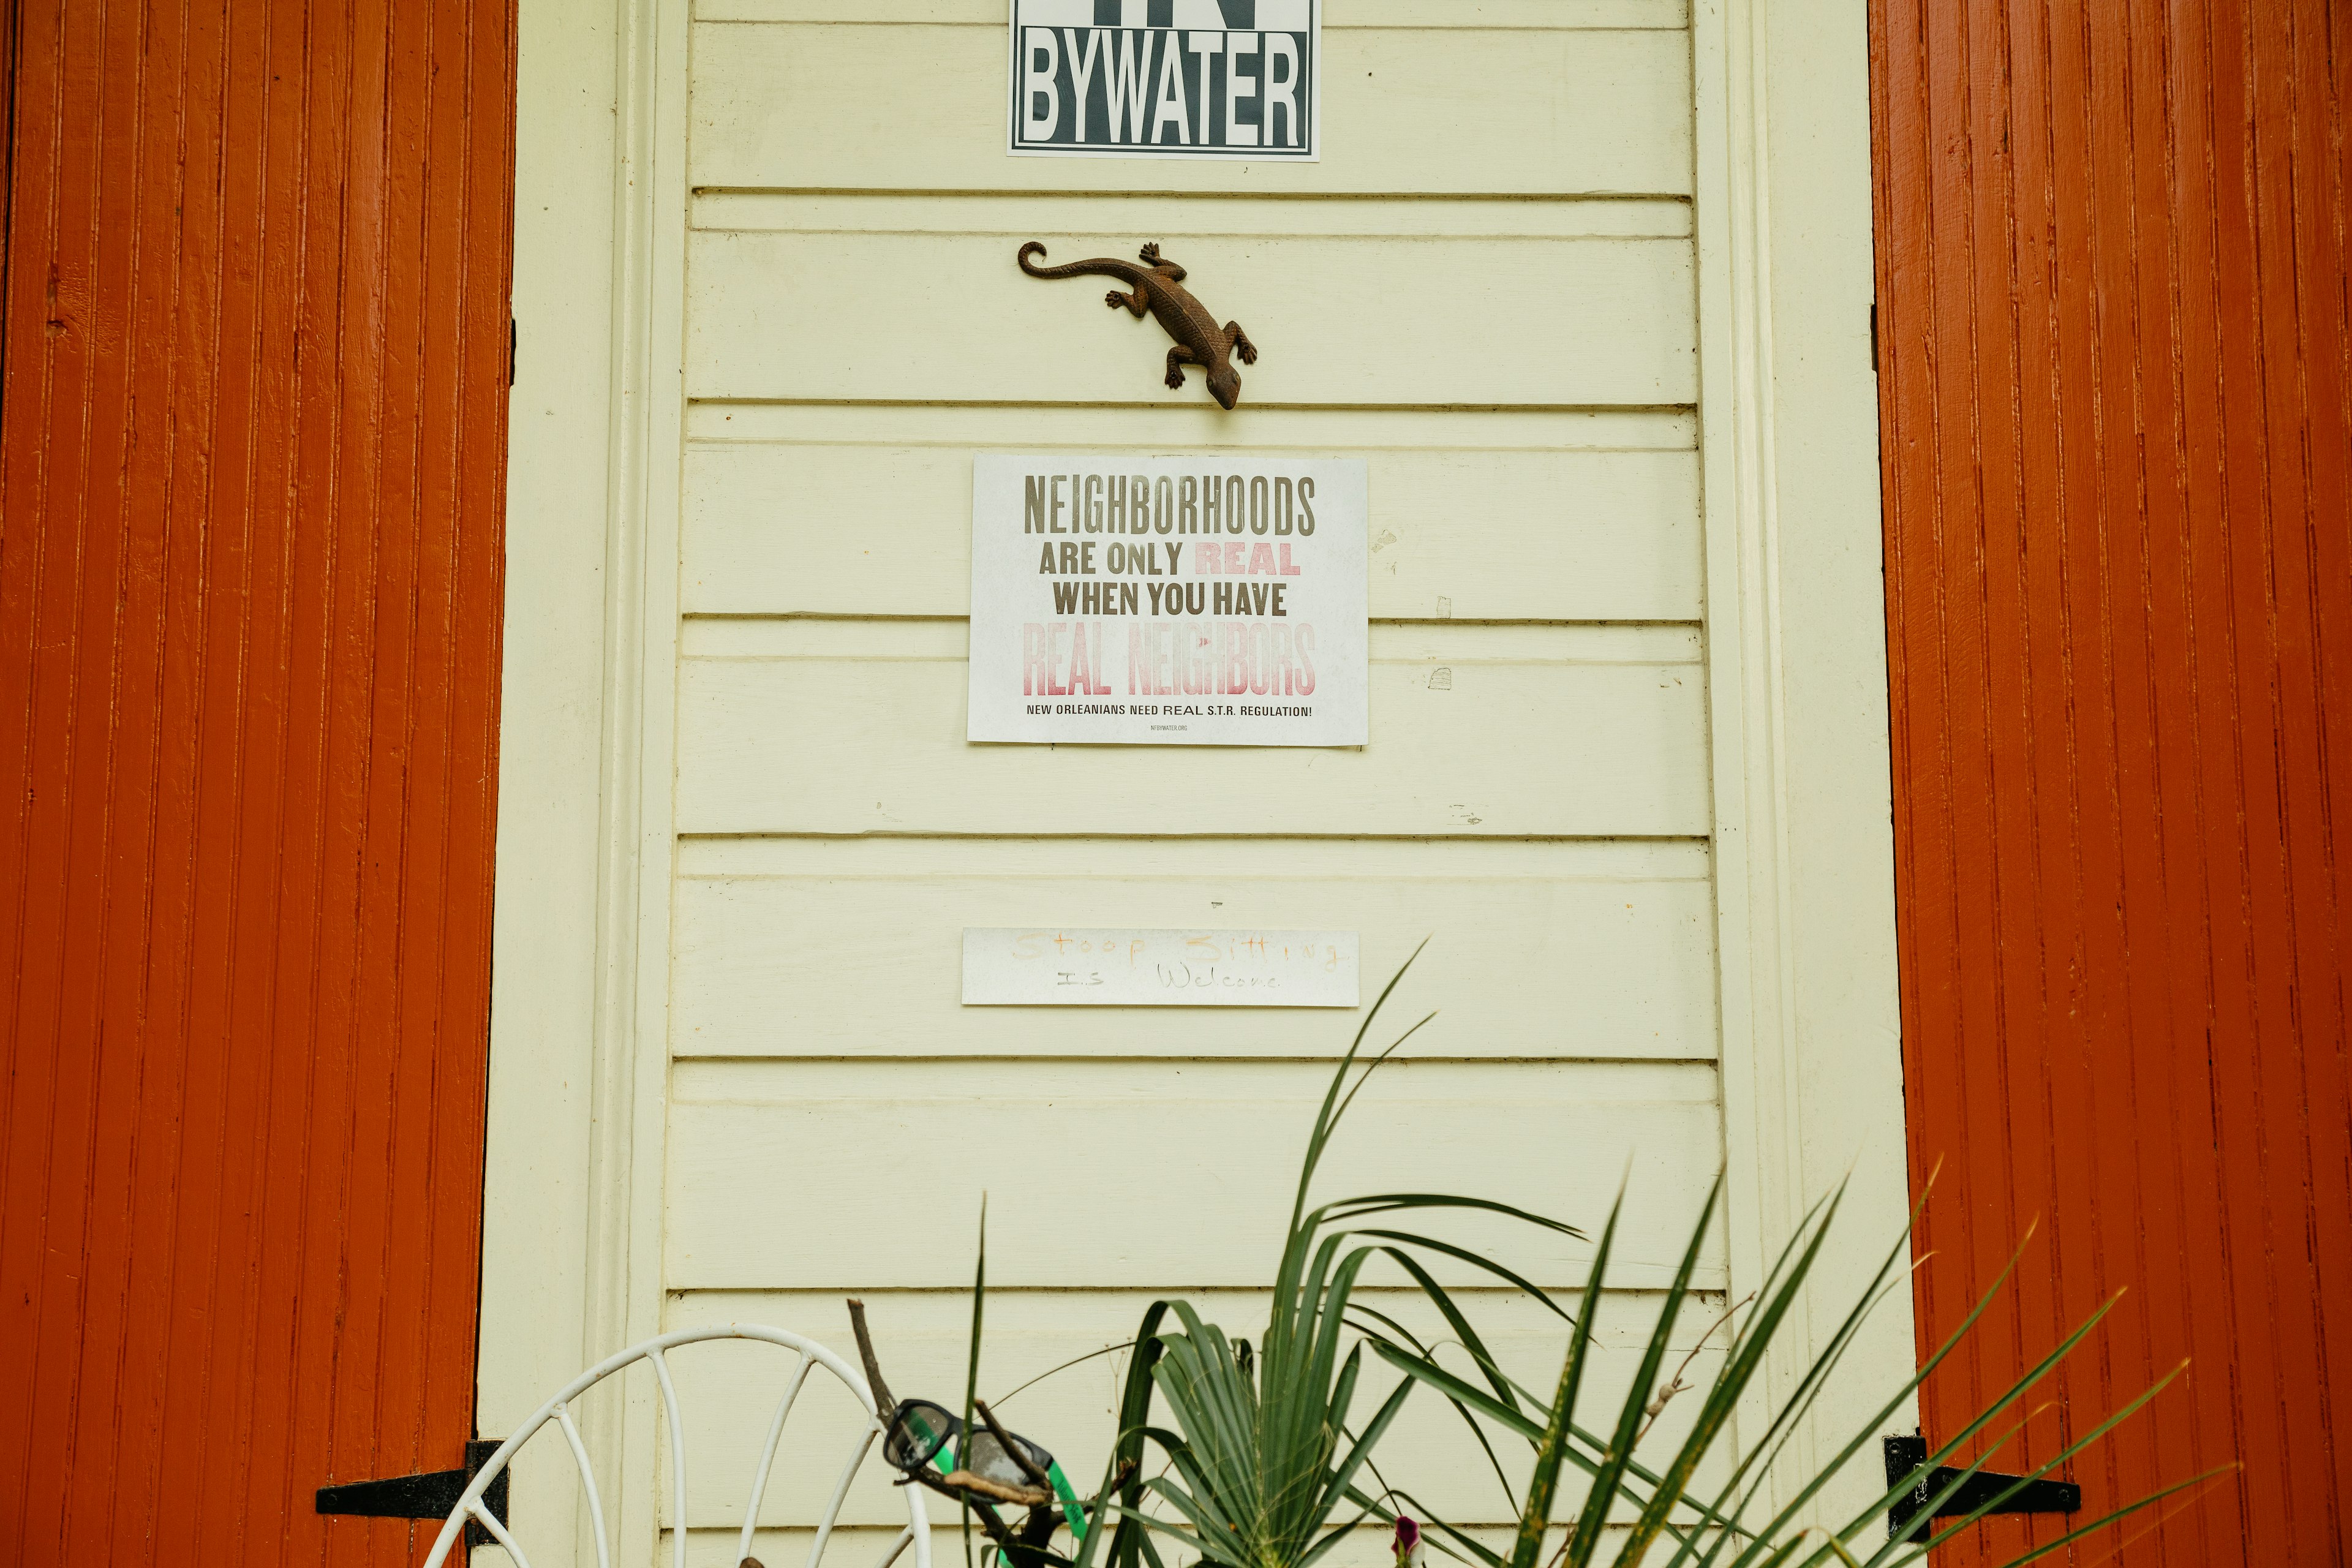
(558, 1410)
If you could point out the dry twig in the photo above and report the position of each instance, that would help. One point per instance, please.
(1023, 1496)
(990, 1519)
(1018, 1452)
(884, 1404)
(1675, 1385)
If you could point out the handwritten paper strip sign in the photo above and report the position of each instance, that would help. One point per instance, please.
(1147, 600)
(1076, 966)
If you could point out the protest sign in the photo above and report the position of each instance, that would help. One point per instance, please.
(1169, 601)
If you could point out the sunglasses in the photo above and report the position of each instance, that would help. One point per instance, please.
(920, 1432)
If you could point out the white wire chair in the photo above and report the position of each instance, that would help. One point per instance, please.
(558, 1410)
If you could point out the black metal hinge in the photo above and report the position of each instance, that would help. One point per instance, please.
(432, 1495)
(1903, 1520)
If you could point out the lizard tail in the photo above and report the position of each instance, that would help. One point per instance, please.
(1101, 267)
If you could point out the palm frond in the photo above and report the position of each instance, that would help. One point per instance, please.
(971, 1361)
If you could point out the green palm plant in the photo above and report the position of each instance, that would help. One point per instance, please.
(1264, 1459)
(1263, 1466)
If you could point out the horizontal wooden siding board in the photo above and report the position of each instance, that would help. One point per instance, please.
(1113, 1181)
(787, 106)
(1445, 15)
(1201, 423)
(1525, 965)
(774, 528)
(1078, 212)
(878, 746)
(774, 316)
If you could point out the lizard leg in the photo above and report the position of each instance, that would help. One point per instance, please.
(1135, 303)
(1178, 358)
(1238, 341)
(1149, 255)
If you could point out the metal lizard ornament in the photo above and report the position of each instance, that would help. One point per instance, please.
(1159, 289)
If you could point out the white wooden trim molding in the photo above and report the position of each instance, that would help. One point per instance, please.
(578, 1036)
(1805, 844)
(653, 412)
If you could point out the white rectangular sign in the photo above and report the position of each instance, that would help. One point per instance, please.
(1205, 601)
(1075, 966)
(1168, 79)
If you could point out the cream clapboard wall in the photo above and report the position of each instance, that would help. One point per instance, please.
(1487, 290)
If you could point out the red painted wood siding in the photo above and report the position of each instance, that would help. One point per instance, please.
(2116, 391)
(251, 480)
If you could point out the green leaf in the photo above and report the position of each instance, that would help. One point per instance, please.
(1385, 1202)
(1134, 1416)
(1867, 1433)
(1715, 1410)
(2038, 1471)
(1607, 1481)
(1346, 1472)
(971, 1362)
(1329, 1115)
(2104, 1520)
(1551, 1449)
(1501, 1384)
(1478, 1260)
